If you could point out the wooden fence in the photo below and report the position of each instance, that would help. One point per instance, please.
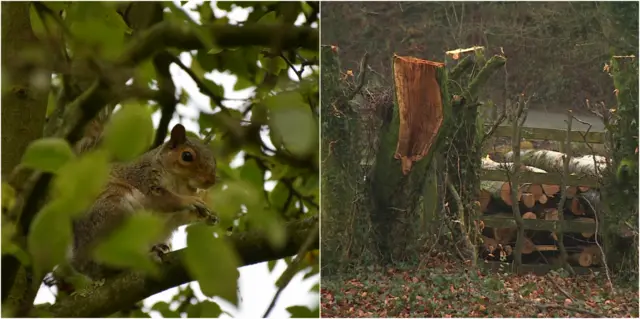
(552, 178)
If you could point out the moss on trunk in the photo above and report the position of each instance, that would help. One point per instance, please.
(396, 196)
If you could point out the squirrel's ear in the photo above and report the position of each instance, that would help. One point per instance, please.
(178, 135)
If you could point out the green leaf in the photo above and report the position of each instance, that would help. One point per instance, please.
(145, 73)
(272, 225)
(309, 185)
(164, 309)
(80, 181)
(37, 26)
(57, 6)
(213, 262)
(204, 309)
(279, 195)
(129, 245)
(303, 312)
(306, 8)
(8, 245)
(201, 32)
(216, 89)
(268, 18)
(8, 196)
(271, 264)
(130, 132)
(227, 198)
(47, 154)
(242, 83)
(207, 62)
(292, 120)
(273, 64)
(51, 102)
(95, 25)
(214, 49)
(49, 237)
(225, 5)
(251, 172)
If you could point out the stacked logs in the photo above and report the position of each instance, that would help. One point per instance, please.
(540, 201)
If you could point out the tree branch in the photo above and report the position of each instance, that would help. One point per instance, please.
(169, 34)
(167, 95)
(125, 290)
(157, 38)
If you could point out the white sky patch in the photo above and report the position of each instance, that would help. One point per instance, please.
(256, 283)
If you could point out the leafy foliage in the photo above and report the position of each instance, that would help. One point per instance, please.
(47, 154)
(266, 142)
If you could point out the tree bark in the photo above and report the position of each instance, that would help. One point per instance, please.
(24, 95)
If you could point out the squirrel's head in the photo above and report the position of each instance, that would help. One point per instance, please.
(190, 159)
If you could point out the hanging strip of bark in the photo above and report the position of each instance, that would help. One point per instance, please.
(420, 107)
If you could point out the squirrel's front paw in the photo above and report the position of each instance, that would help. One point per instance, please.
(200, 207)
(159, 251)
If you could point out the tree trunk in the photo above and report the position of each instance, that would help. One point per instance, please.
(621, 191)
(24, 96)
(24, 104)
(404, 155)
(343, 212)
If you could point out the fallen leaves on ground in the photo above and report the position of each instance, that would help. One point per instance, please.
(447, 290)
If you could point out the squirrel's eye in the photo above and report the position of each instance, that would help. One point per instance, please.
(187, 157)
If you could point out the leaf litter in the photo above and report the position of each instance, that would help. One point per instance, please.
(447, 289)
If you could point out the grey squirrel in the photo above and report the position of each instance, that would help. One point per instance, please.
(166, 180)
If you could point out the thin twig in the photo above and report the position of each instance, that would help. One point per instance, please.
(361, 76)
(293, 267)
(519, 112)
(602, 254)
(201, 86)
(292, 67)
(494, 127)
(566, 146)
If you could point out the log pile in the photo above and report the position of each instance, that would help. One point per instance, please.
(538, 201)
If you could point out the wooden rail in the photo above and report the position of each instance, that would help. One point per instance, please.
(539, 178)
(574, 226)
(534, 133)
